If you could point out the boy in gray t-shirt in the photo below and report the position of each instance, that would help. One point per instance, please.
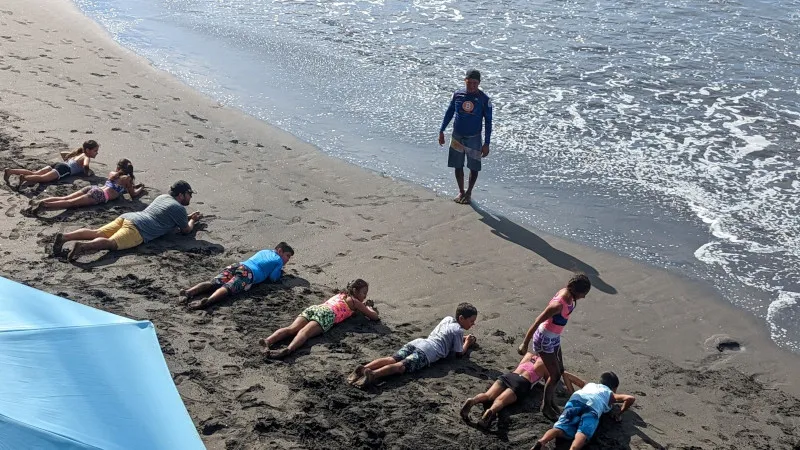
(447, 338)
(164, 214)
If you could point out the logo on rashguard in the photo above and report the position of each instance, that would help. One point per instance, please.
(468, 106)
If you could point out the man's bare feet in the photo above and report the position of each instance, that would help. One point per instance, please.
(277, 354)
(76, 252)
(466, 199)
(458, 198)
(58, 243)
(465, 409)
(356, 375)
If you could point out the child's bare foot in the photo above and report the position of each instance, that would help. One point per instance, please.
(466, 408)
(76, 252)
(538, 446)
(264, 343)
(36, 208)
(6, 175)
(58, 243)
(198, 304)
(277, 354)
(356, 375)
(184, 295)
(486, 419)
(367, 380)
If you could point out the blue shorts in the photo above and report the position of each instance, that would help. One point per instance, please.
(577, 417)
(456, 157)
(413, 358)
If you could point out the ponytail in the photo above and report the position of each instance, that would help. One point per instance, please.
(88, 145)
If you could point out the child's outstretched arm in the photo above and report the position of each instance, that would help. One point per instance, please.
(626, 400)
(571, 381)
(368, 311)
(469, 340)
(548, 312)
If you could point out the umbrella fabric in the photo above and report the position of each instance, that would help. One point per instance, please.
(74, 377)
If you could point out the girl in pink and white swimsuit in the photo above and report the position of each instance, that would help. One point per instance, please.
(546, 336)
(511, 386)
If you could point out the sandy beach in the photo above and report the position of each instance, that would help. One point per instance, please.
(63, 80)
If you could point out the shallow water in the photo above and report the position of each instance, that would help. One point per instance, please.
(667, 132)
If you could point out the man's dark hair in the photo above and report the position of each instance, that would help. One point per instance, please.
(180, 187)
(285, 248)
(610, 379)
(466, 310)
(473, 74)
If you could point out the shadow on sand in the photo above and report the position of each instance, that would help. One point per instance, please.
(510, 231)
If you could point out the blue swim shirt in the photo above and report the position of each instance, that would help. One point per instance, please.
(470, 110)
(265, 264)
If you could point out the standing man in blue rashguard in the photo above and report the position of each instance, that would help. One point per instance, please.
(470, 106)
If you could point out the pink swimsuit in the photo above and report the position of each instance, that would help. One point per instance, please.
(528, 368)
(339, 307)
(557, 323)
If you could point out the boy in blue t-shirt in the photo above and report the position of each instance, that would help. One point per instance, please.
(446, 339)
(582, 412)
(240, 277)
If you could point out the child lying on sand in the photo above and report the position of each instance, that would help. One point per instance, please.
(240, 277)
(120, 181)
(318, 319)
(511, 386)
(448, 337)
(582, 412)
(75, 163)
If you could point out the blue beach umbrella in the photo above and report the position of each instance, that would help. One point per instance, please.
(74, 377)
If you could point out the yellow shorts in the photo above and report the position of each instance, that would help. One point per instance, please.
(123, 233)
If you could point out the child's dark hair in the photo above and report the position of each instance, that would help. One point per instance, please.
(610, 379)
(466, 310)
(355, 286)
(124, 167)
(88, 145)
(285, 248)
(579, 284)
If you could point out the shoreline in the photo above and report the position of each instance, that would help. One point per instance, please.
(345, 222)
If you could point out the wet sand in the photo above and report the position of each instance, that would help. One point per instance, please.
(63, 80)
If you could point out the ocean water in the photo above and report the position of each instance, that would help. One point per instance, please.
(664, 131)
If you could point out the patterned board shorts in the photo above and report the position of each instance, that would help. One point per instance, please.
(321, 314)
(545, 343)
(95, 193)
(235, 278)
(413, 358)
(577, 417)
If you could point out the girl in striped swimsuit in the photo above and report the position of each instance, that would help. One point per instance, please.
(318, 319)
(544, 336)
(119, 182)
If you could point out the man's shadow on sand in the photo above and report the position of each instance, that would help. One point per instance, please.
(510, 231)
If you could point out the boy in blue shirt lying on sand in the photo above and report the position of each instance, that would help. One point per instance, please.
(447, 338)
(582, 412)
(240, 277)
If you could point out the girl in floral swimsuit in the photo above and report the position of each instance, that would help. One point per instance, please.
(119, 182)
(544, 336)
(318, 319)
